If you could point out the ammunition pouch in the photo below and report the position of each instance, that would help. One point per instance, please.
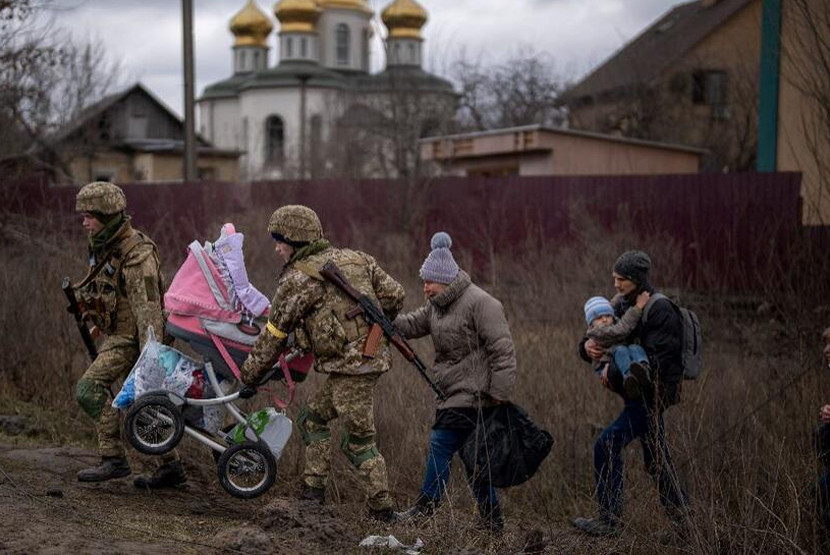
(358, 459)
(307, 415)
(328, 338)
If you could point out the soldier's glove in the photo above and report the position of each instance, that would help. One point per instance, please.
(247, 392)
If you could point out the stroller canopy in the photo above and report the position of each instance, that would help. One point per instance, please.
(213, 283)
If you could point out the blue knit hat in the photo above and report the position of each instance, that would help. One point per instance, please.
(596, 307)
(439, 265)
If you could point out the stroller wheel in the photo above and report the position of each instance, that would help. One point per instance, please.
(154, 425)
(247, 470)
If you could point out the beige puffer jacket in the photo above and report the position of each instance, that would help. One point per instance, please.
(474, 356)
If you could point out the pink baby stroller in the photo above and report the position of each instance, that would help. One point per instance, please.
(213, 307)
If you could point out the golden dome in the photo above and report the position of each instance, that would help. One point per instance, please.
(404, 19)
(251, 26)
(359, 5)
(297, 15)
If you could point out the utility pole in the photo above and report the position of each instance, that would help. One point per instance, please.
(767, 157)
(189, 111)
(303, 81)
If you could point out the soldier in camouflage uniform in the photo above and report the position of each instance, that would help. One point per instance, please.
(315, 310)
(122, 296)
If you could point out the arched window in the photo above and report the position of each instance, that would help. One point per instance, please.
(304, 47)
(364, 50)
(289, 48)
(316, 132)
(342, 39)
(274, 140)
(317, 155)
(244, 142)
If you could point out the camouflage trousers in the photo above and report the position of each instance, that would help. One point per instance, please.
(95, 389)
(349, 398)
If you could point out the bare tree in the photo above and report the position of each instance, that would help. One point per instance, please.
(697, 103)
(378, 133)
(806, 67)
(46, 80)
(521, 91)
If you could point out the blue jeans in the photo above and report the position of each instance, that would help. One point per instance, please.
(624, 355)
(443, 444)
(822, 491)
(636, 421)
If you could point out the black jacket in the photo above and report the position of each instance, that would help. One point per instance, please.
(662, 339)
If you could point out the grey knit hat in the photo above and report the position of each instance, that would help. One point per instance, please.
(439, 265)
(633, 265)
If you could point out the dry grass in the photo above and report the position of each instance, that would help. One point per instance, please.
(749, 477)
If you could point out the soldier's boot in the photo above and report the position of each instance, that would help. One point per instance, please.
(424, 507)
(108, 469)
(165, 476)
(316, 495)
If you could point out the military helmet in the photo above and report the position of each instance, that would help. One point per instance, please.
(102, 197)
(296, 223)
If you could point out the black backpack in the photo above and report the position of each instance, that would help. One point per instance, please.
(692, 358)
(506, 449)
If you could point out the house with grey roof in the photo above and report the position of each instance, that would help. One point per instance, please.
(132, 136)
(690, 78)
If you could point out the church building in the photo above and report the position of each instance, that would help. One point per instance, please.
(313, 111)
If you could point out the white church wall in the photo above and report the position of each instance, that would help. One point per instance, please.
(360, 32)
(256, 107)
(219, 122)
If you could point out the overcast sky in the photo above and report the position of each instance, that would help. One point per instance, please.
(145, 35)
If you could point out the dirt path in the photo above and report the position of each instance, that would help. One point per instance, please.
(45, 510)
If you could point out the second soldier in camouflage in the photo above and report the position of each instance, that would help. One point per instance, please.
(315, 311)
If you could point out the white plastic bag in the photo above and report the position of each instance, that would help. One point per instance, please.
(158, 367)
(392, 542)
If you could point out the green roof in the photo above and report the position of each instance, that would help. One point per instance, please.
(293, 73)
(403, 78)
(228, 87)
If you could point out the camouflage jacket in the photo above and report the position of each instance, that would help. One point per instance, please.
(122, 293)
(314, 310)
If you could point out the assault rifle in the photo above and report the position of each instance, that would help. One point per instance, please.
(378, 322)
(74, 308)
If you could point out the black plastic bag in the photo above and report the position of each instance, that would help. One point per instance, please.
(506, 449)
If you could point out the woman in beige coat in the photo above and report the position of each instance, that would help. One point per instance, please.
(475, 366)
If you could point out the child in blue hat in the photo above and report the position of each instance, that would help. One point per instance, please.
(622, 363)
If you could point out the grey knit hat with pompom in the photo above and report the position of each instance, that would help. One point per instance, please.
(439, 266)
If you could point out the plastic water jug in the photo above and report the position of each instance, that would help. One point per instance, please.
(272, 427)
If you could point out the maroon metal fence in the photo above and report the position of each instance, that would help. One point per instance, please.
(723, 222)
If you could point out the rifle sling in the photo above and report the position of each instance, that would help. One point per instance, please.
(116, 255)
(309, 270)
